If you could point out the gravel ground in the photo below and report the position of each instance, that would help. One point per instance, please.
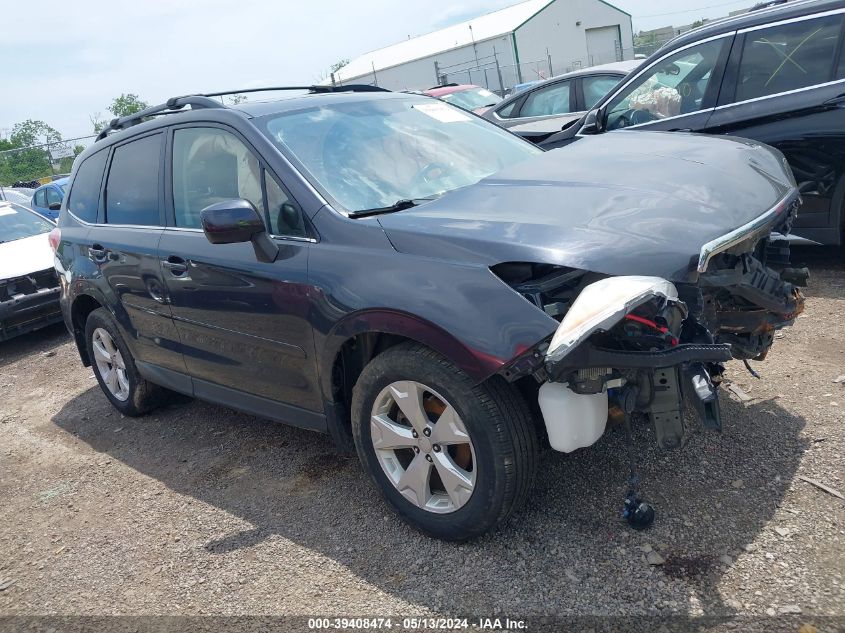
(197, 509)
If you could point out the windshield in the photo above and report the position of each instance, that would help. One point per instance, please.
(472, 99)
(17, 222)
(372, 154)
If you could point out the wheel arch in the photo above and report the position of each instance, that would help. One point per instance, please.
(83, 304)
(362, 336)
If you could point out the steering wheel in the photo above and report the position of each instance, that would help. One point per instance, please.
(690, 96)
(633, 117)
(623, 121)
(425, 174)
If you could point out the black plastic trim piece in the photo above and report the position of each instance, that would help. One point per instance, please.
(588, 355)
(260, 406)
(168, 378)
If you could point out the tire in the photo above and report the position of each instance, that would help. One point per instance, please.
(499, 463)
(141, 395)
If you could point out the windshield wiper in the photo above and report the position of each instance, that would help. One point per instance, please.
(399, 205)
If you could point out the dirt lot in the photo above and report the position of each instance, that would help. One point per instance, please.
(197, 509)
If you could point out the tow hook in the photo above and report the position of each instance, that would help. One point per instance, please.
(637, 512)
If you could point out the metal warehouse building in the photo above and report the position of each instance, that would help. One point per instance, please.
(531, 40)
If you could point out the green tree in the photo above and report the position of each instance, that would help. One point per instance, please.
(124, 105)
(97, 122)
(127, 104)
(32, 132)
(26, 160)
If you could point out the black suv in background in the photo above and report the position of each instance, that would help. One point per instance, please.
(421, 284)
(775, 74)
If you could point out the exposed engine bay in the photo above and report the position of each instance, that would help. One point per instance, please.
(631, 348)
(642, 346)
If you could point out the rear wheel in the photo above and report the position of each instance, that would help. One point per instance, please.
(452, 458)
(115, 369)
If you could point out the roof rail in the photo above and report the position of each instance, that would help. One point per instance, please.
(766, 5)
(174, 104)
(199, 101)
(313, 89)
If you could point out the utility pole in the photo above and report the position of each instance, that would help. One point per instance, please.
(474, 47)
(499, 73)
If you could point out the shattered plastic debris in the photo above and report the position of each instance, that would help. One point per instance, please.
(821, 486)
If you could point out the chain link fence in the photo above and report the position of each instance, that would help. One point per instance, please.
(41, 163)
(488, 72)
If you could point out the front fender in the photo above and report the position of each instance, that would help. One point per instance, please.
(476, 363)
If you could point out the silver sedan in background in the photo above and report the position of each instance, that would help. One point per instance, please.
(558, 100)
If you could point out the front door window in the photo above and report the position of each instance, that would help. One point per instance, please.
(672, 87)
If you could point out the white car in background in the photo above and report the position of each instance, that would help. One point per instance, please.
(29, 287)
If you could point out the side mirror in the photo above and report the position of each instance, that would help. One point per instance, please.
(237, 221)
(671, 69)
(54, 206)
(593, 122)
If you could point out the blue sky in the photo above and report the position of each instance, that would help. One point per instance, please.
(95, 50)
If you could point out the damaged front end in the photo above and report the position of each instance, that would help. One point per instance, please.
(641, 346)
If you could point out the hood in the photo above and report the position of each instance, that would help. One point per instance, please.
(623, 203)
(22, 257)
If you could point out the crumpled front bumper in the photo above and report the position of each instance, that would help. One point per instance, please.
(24, 313)
(604, 304)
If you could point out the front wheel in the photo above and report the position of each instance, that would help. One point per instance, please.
(453, 458)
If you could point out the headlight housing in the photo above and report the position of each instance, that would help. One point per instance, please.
(601, 305)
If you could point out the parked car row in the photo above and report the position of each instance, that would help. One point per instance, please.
(775, 75)
(46, 200)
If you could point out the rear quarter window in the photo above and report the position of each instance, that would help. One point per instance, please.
(85, 191)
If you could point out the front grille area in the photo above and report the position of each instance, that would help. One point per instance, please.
(28, 303)
(28, 284)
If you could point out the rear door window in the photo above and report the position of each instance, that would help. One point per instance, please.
(554, 99)
(41, 198)
(133, 183)
(596, 86)
(85, 191)
(787, 57)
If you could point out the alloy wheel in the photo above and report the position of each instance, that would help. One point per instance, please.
(423, 446)
(110, 364)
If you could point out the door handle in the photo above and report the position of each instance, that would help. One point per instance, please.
(97, 253)
(680, 129)
(176, 265)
